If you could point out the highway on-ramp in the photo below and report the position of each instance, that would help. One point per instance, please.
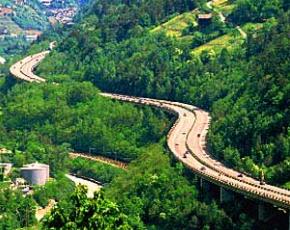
(186, 140)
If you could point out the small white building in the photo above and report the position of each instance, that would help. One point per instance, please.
(32, 35)
(6, 167)
(20, 2)
(2, 60)
(46, 2)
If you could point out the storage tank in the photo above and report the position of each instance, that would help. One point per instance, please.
(35, 174)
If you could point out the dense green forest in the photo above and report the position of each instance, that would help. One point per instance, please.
(148, 196)
(101, 172)
(16, 210)
(257, 11)
(44, 122)
(36, 116)
(251, 124)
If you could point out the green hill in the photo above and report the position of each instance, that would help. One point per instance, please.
(150, 63)
(155, 49)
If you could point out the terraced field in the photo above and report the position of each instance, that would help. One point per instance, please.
(10, 24)
(229, 41)
(174, 28)
(223, 6)
(176, 25)
(248, 27)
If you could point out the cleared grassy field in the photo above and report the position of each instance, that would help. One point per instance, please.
(10, 24)
(176, 25)
(253, 26)
(220, 3)
(228, 41)
(223, 5)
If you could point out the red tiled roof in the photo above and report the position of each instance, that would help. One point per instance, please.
(204, 16)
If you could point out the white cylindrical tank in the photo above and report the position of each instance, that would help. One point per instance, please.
(35, 174)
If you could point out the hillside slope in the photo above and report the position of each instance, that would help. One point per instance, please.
(245, 87)
(21, 22)
(155, 65)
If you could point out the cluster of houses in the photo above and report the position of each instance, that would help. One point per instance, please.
(63, 15)
(55, 15)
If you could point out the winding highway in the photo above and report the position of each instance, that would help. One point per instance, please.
(186, 140)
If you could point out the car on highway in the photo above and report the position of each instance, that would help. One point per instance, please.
(198, 135)
(186, 152)
(202, 168)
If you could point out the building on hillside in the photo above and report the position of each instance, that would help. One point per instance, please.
(2, 62)
(20, 2)
(204, 19)
(32, 35)
(35, 174)
(5, 168)
(4, 150)
(46, 2)
(4, 31)
(4, 11)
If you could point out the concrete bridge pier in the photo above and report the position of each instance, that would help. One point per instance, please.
(226, 195)
(261, 212)
(204, 185)
(195, 179)
(289, 220)
(267, 212)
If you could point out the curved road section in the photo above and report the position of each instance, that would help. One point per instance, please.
(186, 140)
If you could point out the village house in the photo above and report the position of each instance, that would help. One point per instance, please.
(204, 19)
(20, 2)
(32, 35)
(46, 3)
(2, 62)
(4, 11)
(3, 30)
